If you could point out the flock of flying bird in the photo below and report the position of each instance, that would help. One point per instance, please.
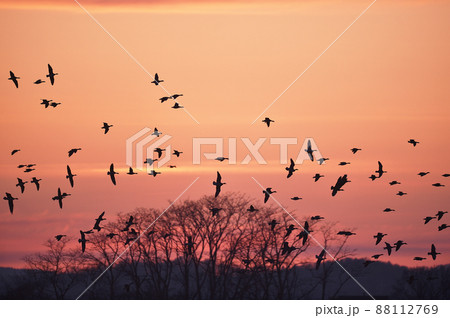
(341, 181)
(286, 249)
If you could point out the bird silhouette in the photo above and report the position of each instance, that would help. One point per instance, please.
(442, 227)
(399, 244)
(286, 249)
(215, 211)
(8, 197)
(272, 224)
(177, 153)
(21, 184)
(172, 166)
(129, 223)
(304, 233)
(70, 176)
(111, 173)
(289, 230)
(51, 75)
(446, 175)
(317, 217)
(377, 256)
(130, 171)
(418, 258)
(355, 150)
(159, 151)
(341, 181)
(413, 142)
(310, 151)
(175, 96)
(346, 233)
(388, 248)
(379, 236)
(343, 163)
(252, 209)
(73, 151)
(428, 219)
(36, 182)
(156, 80)
(433, 252)
(98, 220)
(106, 127)
(177, 106)
(423, 174)
(373, 177)
(380, 170)
(394, 182)
(291, 169)
(164, 98)
(154, 173)
(440, 214)
(221, 159)
(28, 170)
(54, 104)
(401, 193)
(437, 185)
(267, 120)
(59, 197)
(39, 81)
(317, 176)
(320, 258)
(388, 210)
(218, 183)
(14, 152)
(14, 79)
(59, 237)
(111, 235)
(267, 194)
(46, 102)
(322, 160)
(150, 161)
(83, 241)
(156, 132)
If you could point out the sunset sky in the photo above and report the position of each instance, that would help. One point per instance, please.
(383, 82)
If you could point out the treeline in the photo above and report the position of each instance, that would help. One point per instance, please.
(212, 248)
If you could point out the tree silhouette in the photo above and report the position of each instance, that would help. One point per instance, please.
(210, 248)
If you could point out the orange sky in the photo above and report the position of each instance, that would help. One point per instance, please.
(385, 81)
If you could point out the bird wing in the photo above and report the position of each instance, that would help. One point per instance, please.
(266, 196)
(292, 164)
(322, 253)
(50, 69)
(217, 190)
(11, 204)
(219, 177)
(380, 166)
(156, 77)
